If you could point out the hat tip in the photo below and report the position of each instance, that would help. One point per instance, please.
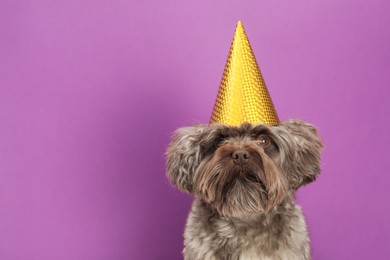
(240, 27)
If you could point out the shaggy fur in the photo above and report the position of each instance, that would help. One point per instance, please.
(244, 179)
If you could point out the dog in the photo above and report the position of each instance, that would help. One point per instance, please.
(244, 180)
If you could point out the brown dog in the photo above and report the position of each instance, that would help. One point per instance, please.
(244, 179)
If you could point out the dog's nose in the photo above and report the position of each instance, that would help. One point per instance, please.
(240, 157)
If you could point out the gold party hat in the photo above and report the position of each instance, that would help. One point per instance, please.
(243, 95)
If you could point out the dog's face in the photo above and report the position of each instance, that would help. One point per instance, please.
(246, 169)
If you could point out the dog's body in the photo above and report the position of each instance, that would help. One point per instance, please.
(244, 179)
(280, 234)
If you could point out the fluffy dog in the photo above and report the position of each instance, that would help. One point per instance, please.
(244, 179)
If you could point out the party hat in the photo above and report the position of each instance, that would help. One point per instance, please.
(243, 95)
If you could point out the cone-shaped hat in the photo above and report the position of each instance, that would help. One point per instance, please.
(243, 95)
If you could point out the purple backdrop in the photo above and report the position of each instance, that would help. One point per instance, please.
(90, 92)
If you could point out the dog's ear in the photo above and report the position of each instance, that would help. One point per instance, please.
(307, 144)
(183, 156)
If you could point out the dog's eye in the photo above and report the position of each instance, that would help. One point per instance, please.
(264, 140)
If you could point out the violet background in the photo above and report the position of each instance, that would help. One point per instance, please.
(90, 92)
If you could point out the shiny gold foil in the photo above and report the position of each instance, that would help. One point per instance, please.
(243, 95)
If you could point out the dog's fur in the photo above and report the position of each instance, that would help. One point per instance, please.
(245, 209)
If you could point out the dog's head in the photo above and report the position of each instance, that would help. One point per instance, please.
(246, 169)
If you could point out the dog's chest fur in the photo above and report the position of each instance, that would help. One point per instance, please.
(281, 234)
